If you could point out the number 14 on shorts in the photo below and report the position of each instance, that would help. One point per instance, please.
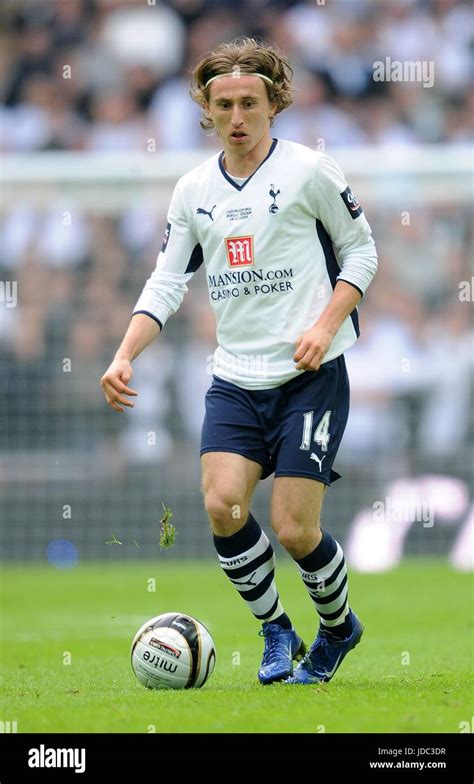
(321, 433)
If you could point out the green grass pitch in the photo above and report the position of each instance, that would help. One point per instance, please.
(410, 673)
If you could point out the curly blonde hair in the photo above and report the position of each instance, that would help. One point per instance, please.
(252, 57)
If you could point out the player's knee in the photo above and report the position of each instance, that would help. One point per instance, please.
(296, 540)
(226, 514)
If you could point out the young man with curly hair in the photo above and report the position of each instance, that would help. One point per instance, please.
(288, 255)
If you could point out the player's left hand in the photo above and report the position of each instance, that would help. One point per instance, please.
(311, 347)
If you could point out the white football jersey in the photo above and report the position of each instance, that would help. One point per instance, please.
(273, 246)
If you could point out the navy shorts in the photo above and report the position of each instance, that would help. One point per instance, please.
(293, 430)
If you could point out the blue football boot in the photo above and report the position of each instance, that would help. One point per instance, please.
(326, 655)
(281, 647)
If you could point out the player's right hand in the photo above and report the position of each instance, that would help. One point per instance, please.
(114, 384)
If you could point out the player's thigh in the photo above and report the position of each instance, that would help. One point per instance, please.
(296, 503)
(228, 482)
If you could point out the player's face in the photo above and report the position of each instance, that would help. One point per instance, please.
(241, 112)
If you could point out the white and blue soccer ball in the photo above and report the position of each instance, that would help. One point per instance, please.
(173, 651)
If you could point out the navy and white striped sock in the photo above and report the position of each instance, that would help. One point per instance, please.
(248, 560)
(325, 575)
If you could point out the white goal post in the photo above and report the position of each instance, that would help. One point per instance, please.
(110, 182)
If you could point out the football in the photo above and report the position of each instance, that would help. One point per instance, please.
(173, 651)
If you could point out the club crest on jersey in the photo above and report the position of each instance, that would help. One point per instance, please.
(351, 203)
(201, 211)
(273, 208)
(239, 251)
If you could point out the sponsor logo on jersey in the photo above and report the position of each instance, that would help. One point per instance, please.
(201, 211)
(239, 251)
(166, 237)
(163, 646)
(351, 203)
(273, 208)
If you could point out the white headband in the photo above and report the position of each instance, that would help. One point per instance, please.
(236, 73)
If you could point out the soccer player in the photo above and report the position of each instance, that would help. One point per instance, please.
(288, 255)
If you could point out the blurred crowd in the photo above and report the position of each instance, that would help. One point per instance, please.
(108, 75)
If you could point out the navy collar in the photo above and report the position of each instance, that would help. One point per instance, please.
(229, 178)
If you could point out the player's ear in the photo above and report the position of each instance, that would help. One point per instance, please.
(207, 113)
